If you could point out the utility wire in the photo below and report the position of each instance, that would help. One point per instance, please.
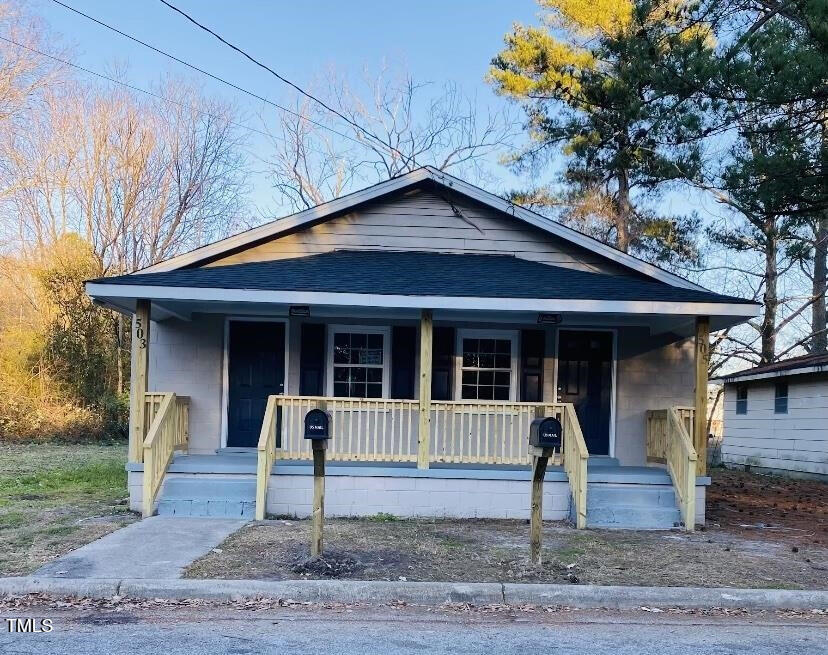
(131, 86)
(207, 73)
(282, 78)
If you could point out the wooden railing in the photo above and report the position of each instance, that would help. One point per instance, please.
(386, 430)
(575, 460)
(266, 454)
(168, 431)
(669, 442)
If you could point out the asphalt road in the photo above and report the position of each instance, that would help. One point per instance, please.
(212, 631)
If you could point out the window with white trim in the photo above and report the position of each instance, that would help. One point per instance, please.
(486, 366)
(357, 362)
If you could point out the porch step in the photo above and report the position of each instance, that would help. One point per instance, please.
(625, 506)
(208, 496)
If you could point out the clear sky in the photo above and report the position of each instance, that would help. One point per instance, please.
(436, 41)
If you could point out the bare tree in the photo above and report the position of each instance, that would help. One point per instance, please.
(315, 157)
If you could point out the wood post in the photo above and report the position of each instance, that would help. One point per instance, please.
(424, 428)
(700, 419)
(138, 385)
(540, 458)
(319, 447)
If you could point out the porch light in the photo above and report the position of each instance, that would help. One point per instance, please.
(299, 310)
(553, 319)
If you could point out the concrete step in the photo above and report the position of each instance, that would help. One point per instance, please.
(633, 517)
(622, 505)
(208, 496)
(607, 495)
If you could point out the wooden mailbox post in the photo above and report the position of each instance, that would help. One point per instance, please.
(318, 430)
(544, 443)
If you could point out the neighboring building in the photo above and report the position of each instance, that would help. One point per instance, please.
(776, 417)
(434, 321)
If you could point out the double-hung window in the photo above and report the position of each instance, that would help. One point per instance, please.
(357, 361)
(487, 365)
(780, 398)
(741, 399)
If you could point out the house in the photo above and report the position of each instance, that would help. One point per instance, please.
(776, 417)
(434, 321)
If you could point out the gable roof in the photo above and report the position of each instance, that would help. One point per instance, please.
(817, 363)
(430, 175)
(414, 273)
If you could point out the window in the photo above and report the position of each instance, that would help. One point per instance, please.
(780, 398)
(741, 399)
(357, 362)
(486, 365)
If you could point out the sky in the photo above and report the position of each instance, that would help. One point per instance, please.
(436, 41)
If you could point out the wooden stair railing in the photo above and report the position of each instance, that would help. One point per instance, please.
(575, 460)
(168, 432)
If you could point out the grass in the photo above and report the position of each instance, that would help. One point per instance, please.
(56, 497)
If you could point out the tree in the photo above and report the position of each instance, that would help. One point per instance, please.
(589, 82)
(315, 158)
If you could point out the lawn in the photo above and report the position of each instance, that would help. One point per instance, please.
(56, 497)
(748, 543)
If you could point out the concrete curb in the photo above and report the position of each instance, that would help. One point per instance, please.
(422, 593)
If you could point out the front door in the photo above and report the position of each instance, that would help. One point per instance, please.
(585, 380)
(256, 370)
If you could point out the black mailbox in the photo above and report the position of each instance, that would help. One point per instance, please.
(317, 424)
(545, 433)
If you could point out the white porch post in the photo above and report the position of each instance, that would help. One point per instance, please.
(700, 419)
(424, 428)
(138, 381)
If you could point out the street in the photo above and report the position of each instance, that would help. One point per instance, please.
(193, 631)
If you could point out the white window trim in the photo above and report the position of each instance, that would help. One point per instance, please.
(385, 331)
(512, 335)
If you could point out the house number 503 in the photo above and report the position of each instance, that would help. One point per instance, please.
(140, 335)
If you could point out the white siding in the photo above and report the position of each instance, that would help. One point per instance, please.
(795, 442)
(423, 221)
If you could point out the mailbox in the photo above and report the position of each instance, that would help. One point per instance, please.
(317, 424)
(545, 433)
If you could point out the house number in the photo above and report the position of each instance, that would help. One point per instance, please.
(139, 333)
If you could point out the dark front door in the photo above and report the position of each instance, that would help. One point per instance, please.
(256, 370)
(585, 380)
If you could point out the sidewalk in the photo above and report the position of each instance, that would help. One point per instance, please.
(158, 548)
(422, 593)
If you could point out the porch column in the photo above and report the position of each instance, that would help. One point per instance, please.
(424, 428)
(700, 420)
(138, 379)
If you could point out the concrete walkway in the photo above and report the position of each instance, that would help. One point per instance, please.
(159, 547)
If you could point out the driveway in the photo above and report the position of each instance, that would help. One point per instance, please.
(157, 547)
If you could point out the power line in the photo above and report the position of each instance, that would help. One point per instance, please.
(131, 86)
(252, 94)
(282, 78)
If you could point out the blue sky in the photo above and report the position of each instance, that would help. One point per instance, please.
(435, 41)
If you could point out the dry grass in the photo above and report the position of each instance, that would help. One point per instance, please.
(385, 548)
(56, 497)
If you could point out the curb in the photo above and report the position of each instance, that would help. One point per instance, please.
(423, 593)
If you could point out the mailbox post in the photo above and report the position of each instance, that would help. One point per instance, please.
(544, 442)
(318, 431)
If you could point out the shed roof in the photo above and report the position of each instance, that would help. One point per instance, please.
(816, 363)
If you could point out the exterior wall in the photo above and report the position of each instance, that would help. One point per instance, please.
(187, 358)
(795, 443)
(425, 222)
(652, 373)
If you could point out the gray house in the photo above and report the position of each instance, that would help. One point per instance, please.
(434, 321)
(776, 417)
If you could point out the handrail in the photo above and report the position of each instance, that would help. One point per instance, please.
(168, 432)
(669, 442)
(266, 454)
(575, 461)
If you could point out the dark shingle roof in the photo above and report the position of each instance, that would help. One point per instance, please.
(423, 274)
(781, 367)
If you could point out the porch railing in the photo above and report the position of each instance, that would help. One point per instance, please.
(168, 431)
(266, 454)
(669, 442)
(386, 430)
(575, 460)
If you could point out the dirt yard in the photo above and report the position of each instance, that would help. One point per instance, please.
(749, 542)
(56, 497)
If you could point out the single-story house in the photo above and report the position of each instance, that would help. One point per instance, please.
(434, 321)
(776, 417)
